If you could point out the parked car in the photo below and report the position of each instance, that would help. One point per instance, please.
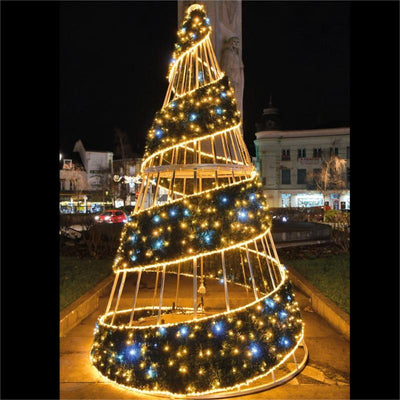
(112, 217)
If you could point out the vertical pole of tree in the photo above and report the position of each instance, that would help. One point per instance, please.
(259, 264)
(268, 264)
(190, 71)
(275, 253)
(195, 287)
(197, 67)
(230, 154)
(177, 285)
(155, 288)
(144, 194)
(231, 135)
(271, 258)
(156, 189)
(184, 163)
(161, 294)
(200, 182)
(121, 287)
(112, 292)
(244, 274)
(215, 159)
(135, 296)
(184, 75)
(251, 274)
(225, 154)
(225, 281)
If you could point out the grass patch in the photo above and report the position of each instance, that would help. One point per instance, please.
(331, 275)
(77, 276)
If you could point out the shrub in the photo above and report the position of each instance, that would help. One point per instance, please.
(99, 241)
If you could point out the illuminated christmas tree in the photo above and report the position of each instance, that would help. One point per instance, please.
(214, 227)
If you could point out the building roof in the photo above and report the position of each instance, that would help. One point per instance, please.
(94, 146)
(303, 133)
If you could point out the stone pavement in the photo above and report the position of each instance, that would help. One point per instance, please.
(326, 375)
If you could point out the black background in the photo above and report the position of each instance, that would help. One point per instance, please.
(29, 200)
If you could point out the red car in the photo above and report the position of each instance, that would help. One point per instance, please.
(112, 217)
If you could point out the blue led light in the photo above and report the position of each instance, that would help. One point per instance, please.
(255, 350)
(173, 104)
(133, 257)
(162, 330)
(133, 352)
(218, 328)
(150, 373)
(200, 76)
(285, 342)
(186, 212)
(221, 280)
(183, 331)
(289, 298)
(223, 94)
(206, 237)
(173, 60)
(183, 29)
(133, 238)
(224, 199)
(270, 303)
(158, 244)
(207, 21)
(120, 357)
(173, 212)
(219, 110)
(193, 117)
(242, 215)
(156, 219)
(253, 197)
(283, 315)
(194, 36)
(159, 133)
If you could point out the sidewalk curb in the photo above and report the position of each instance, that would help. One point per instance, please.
(73, 314)
(323, 306)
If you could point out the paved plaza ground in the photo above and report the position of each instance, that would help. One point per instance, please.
(326, 375)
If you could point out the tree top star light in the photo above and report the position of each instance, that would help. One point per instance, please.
(239, 323)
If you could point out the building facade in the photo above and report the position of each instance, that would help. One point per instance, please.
(289, 160)
(98, 165)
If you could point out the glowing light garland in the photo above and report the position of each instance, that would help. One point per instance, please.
(195, 138)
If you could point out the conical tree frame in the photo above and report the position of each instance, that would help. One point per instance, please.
(214, 226)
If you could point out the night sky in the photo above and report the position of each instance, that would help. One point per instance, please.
(114, 59)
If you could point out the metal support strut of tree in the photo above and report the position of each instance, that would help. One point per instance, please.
(215, 228)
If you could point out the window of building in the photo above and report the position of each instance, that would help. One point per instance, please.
(71, 185)
(301, 176)
(67, 164)
(317, 153)
(62, 184)
(336, 151)
(285, 155)
(348, 152)
(264, 180)
(286, 176)
(301, 153)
